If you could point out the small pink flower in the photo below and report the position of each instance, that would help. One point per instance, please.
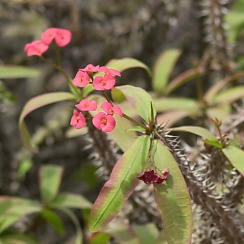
(113, 72)
(61, 36)
(49, 35)
(35, 48)
(87, 105)
(104, 122)
(110, 109)
(81, 79)
(101, 83)
(91, 69)
(78, 120)
(151, 177)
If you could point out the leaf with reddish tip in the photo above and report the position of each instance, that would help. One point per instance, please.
(38, 102)
(236, 157)
(173, 199)
(120, 185)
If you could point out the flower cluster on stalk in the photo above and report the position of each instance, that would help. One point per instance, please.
(62, 38)
(101, 78)
(152, 177)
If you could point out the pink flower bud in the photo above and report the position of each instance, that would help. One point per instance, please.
(35, 48)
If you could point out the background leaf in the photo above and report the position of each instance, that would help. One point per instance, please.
(120, 185)
(127, 63)
(163, 68)
(16, 72)
(50, 179)
(147, 233)
(173, 198)
(236, 157)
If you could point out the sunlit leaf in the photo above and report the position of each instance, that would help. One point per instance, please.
(236, 157)
(139, 99)
(38, 102)
(120, 185)
(16, 72)
(173, 198)
(163, 68)
(50, 179)
(70, 200)
(54, 220)
(127, 63)
(200, 131)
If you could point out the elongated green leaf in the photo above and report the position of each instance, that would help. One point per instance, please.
(127, 63)
(183, 78)
(170, 103)
(120, 185)
(54, 220)
(73, 218)
(50, 179)
(230, 95)
(173, 199)
(15, 72)
(163, 68)
(236, 157)
(122, 232)
(147, 233)
(18, 208)
(139, 99)
(70, 200)
(17, 239)
(99, 238)
(38, 102)
(200, 131)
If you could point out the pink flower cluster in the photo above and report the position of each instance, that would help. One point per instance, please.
(151, 177)
(100, 83)
(36, 48)
(103, 121)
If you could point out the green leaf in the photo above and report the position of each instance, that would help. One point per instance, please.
(18, 208)
(163, 68)
(122, 232)
(120, 185)
(54, 220)
(70, 200)
(147, 233)
(38, 102)
(213, 143)
(50, 179)
(139, 99)
(24, 166)
(117, 95)
(17, 239)
(73, 218)
(127, 63)
(99, 238)
(16, 72)
(235, 156)
(197, 131)
(173, 199)
(170, 103)
(230, 95)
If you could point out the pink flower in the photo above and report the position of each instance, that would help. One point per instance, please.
(110, 109)
(61, 36)
(81, 79)
(87, 105)
(91, 69)
(113, 72)
(101, 83)
(78, 120)
(35, 48)
(104, 122)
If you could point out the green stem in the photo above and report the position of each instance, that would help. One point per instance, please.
(135, 121)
